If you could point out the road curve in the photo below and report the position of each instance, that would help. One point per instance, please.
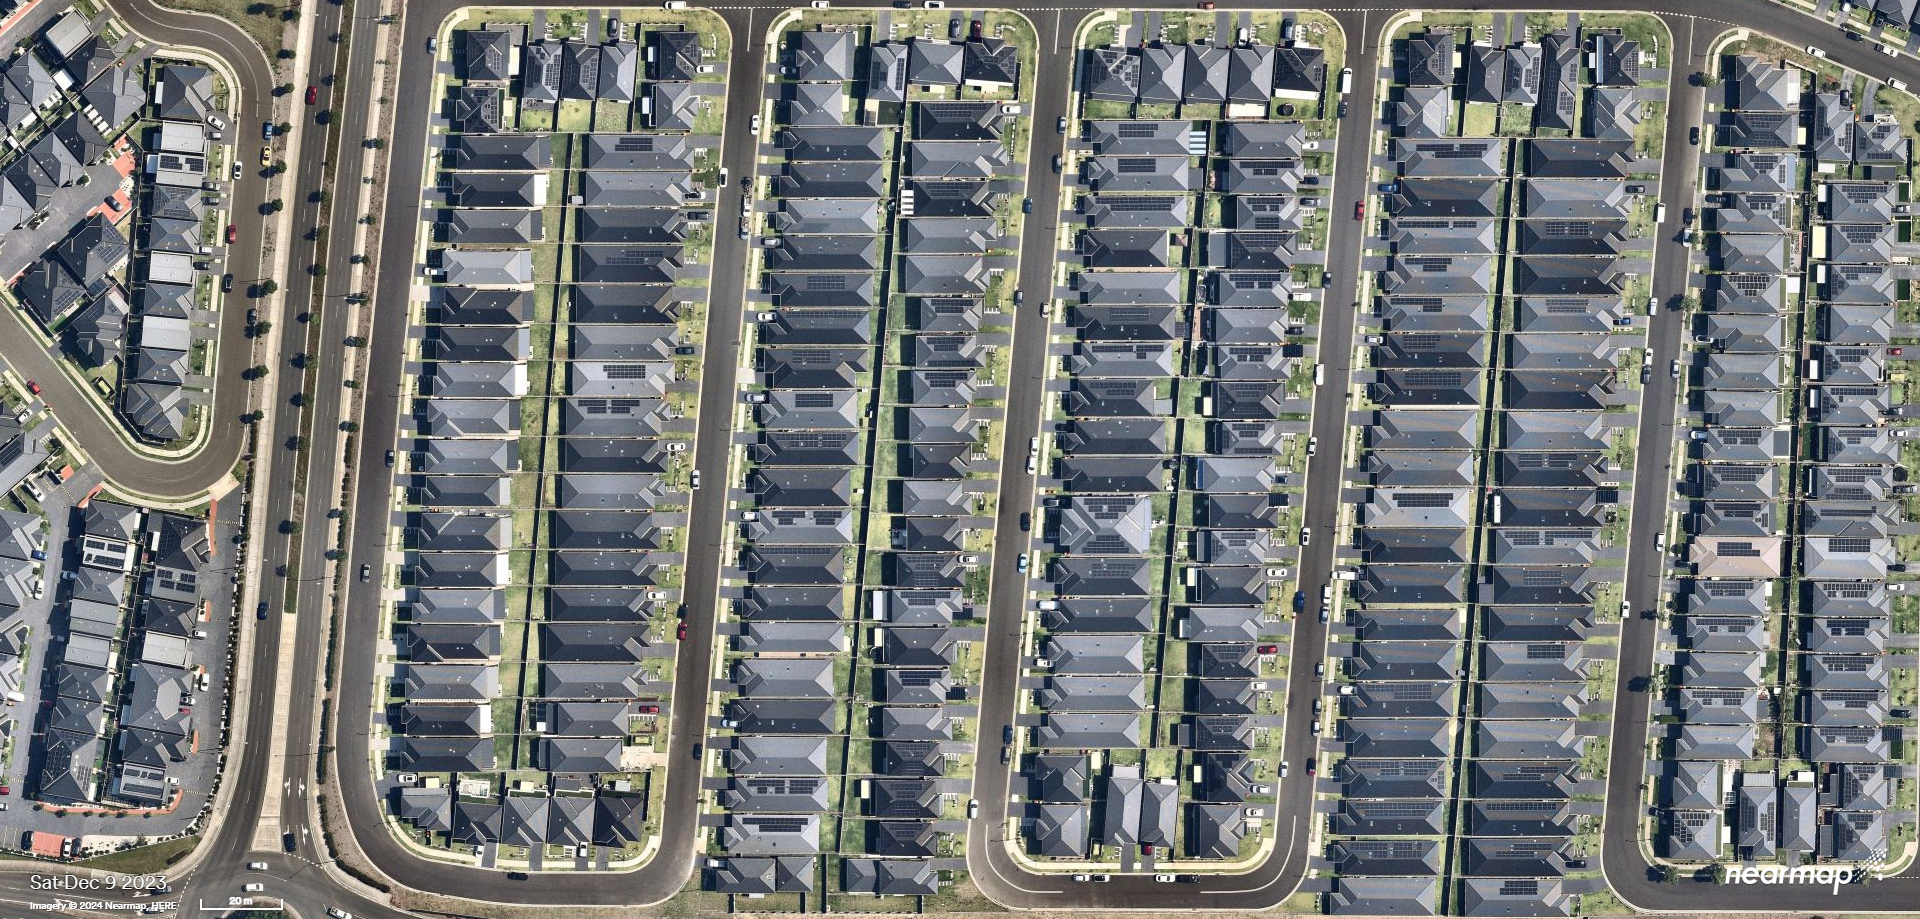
(1273, 879)
(667, 873)
(97, 428)
(1625, 869)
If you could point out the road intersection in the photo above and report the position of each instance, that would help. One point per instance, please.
(310, 884)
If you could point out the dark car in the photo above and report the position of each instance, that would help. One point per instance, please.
(289, 842)
(1006, 734)
(226, 282)
(1341, 111)
(1026, 205)
(1026, 522)
(1693, 136)
(389, 459)
(1299, 601)
(260, 612)
(366, 573)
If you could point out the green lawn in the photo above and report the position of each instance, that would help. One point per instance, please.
(146, 859)
(263, 29)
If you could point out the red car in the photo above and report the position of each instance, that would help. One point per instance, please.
(34, 388)
(233, 234)
(680, 632)
(313, 94)
(1206, 4)
(649, 709)
(1269, 649)
(6, 790)
(1359, 210)
(1896, 352)
(1310, 765)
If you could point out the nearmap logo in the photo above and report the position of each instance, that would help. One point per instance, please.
(1826, 875)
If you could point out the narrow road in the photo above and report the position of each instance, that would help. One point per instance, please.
(98, 429)
(310, 888)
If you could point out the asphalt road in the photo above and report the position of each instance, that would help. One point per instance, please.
(103, 435)
(307, 887)
(667, 873)
(994, 869)
(1275, 879)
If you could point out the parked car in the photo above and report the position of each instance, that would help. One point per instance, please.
(233, 234)
(313, 94)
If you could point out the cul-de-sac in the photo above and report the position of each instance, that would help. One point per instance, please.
(906, 457)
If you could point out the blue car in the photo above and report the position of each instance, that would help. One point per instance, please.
(1299, 601)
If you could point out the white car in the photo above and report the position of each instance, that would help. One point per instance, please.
(821, 4)
(335, 911)
(256, 866)
(676, 4)
(1888, 50)
(254, 887)
(1163, 879)
(1306, 536)
(754, 124)
(1816, 52)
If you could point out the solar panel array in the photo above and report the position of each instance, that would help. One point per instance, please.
(1742, 557)
(586, 531)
